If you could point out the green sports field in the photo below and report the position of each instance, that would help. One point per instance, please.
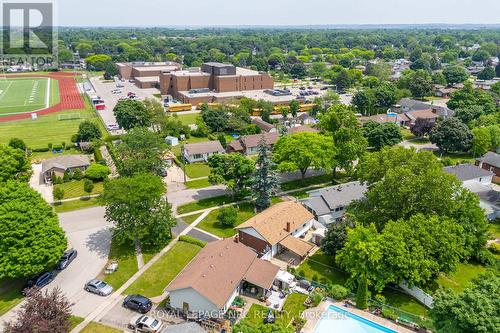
(18, 95)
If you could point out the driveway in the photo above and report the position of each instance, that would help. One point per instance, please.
(88, 232)
(181, 197)
(37, 183)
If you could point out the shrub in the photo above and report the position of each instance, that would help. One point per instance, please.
(379, 300)
(40, 150)
(17, 143)
(192, 240)
(66, 177)
(58, 193)
(98, 155)
(495, 248)
(338, 292)
(96, 172)
(227, 216)
(389, 314)
(88, 186)
(77, 174)
(485, 257)
(315, 298)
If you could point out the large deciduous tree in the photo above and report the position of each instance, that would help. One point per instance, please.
(138, 209)
(481, 141)
(140, 151)
(475, 309)
(131, 113)
(455, 74)
(452, 135)
(468, 96)
(299, 152)
(13, 164)
(43, 312)
(88, 131)
(233, 170)
(265, 181)
(422, 127)
(381, 135)
(31, 239)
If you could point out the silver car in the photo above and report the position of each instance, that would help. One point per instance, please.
(98, 287)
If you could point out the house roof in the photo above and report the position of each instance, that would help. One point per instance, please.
(65, 162)
(412, 104)
(467, 171)
(491, 158)
(305, 116)
(296, 245)
(251, 141)
(424, 114)
(203, 147)
(302, 129)
(263, 125)
(327, 199)
(220, 267)
(272, 222)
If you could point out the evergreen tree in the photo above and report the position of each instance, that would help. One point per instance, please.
(265, 181)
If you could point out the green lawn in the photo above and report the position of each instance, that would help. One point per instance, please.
(40, 156)
(190, 218)
(455, 157)
(46, 129)
(204, 204)
(10, 294)
(74, 189)
(407, 134)
(210, 224)
(293, 307)
(459, 280)
(158, 276)
(75, 321)
(420, 141)
(187, 119)
(197, 170)
(76, 205)
(94, 327)
(404, 302)
(198, 183)
(494, 229)
(127, 263)
(320, 267)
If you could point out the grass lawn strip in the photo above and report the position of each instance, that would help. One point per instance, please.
(190, 218)
(211, 225)
(197, 170)
(319, 267)
(69, 206)
(462, 277)
(204, 204)
(94, 327)
(198, 183)
(75, 321)
(74, 189)
(292, 308)
(127, 263)
(10, 294)
(155, 279)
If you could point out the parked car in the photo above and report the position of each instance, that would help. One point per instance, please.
(137, 303)
(116, 91)
(66, 259)
(113, 127)
(302, 88)
(145, 323)
(39, 281)
(131, 94)
(98, 287)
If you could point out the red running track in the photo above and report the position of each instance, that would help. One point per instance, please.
(70, 98)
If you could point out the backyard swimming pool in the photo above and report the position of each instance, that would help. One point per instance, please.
(342, 321)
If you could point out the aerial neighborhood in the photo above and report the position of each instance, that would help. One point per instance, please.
(302, 178)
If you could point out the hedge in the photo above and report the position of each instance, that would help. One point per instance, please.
(192, 240)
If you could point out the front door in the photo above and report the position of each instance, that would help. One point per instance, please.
(185, 307)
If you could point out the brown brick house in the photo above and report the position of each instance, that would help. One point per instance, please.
(491, 162)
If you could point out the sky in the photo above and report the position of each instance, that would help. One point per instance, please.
(273, 12)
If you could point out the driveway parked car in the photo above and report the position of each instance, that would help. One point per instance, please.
(38, 281)
(98, 287)
(145, 324)
(66, 259)
(137, 303)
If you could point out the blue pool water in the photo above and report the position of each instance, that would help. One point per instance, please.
(339, 320)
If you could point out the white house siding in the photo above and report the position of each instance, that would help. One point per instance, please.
(229, 302)
(302, 229)
(196, 301)
(482, 180)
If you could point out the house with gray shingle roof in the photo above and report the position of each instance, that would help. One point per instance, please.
(57, 166)
(201, 151)
(490, 161)
(468, 173)
(329, 204)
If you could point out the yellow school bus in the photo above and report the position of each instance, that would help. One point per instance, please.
(179, 107)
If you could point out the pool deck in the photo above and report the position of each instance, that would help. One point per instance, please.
(314, 315)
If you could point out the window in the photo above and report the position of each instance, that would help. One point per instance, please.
(197, 156)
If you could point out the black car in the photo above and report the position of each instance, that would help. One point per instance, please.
(137, 303)
(39, 281)
(66, 259)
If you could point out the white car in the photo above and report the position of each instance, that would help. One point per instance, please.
(116, 91)
(145, 323)
(113, 127)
